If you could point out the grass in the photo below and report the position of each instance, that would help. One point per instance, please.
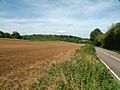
(117, 51)
(83, 72)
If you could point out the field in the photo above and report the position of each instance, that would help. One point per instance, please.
(83, 72)
(23, 63)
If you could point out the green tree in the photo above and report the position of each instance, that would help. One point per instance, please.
(112, 38)
(1, 34)
(99, 40)
(7, 35)
(16, 35)
(94, 34)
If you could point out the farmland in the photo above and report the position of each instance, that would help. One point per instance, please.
(51, 65)
(23, 63)
(83, 72)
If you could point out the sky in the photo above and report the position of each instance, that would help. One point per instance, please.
(67, 17)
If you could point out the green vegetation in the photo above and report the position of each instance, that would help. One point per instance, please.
(1, 34)
(94, 34)
(109, 40)
(39, 37)
(16, 35)
(8, 35)
(112, 38)
(83, 72)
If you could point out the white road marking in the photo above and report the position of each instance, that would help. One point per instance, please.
(110, 55)
(109, 68)
(104, 52)
(115, 58)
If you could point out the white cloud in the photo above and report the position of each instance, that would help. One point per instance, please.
(61, 31)
(75, 17)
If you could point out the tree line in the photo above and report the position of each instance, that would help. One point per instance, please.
(108, 40)
(40, 37)
(15, 34)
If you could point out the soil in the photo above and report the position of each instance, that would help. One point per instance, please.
(23, 63)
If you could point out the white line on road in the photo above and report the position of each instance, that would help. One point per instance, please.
(110, 55)
(115, 58)
(109, 69)
(104, 52)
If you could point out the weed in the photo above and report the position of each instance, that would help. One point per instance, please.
(81, 73)
(59, 86)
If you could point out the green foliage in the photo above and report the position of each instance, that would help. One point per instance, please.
(1, 34)
(99, 40)
(40, 86)
(112, 38)
(40, 37)
(83, 72)
(16, 35)
(59, 86)
(94, 34)
(109, 40)
(8, 35)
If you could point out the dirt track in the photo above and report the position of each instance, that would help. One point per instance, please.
(24, 62)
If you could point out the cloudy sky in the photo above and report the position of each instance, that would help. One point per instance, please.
(70, 17)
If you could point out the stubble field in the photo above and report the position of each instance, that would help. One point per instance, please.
(23, 63)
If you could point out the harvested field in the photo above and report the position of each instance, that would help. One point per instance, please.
(23, 63)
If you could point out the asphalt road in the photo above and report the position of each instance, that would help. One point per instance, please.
(111, 60)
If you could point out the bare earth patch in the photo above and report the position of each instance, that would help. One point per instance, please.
(23, 63)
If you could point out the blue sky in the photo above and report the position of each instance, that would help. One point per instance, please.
(70, 17)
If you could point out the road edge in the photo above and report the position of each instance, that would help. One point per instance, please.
(109, 68)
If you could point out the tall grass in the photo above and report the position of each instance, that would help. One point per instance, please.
(83, 72)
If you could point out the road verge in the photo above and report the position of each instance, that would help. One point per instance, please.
(83, 72)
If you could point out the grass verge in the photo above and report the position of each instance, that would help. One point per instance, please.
(83, 72)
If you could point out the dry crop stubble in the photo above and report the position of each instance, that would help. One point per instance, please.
(24, 62)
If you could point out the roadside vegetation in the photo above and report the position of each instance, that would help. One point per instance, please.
(109, 40)
(83, 71)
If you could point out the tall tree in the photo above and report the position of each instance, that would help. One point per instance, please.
(1, 34)
(16, 35)
(7, 35)
(99, 40)
(112, 37)
(94, 34)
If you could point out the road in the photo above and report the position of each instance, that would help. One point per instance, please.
(111, 60)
